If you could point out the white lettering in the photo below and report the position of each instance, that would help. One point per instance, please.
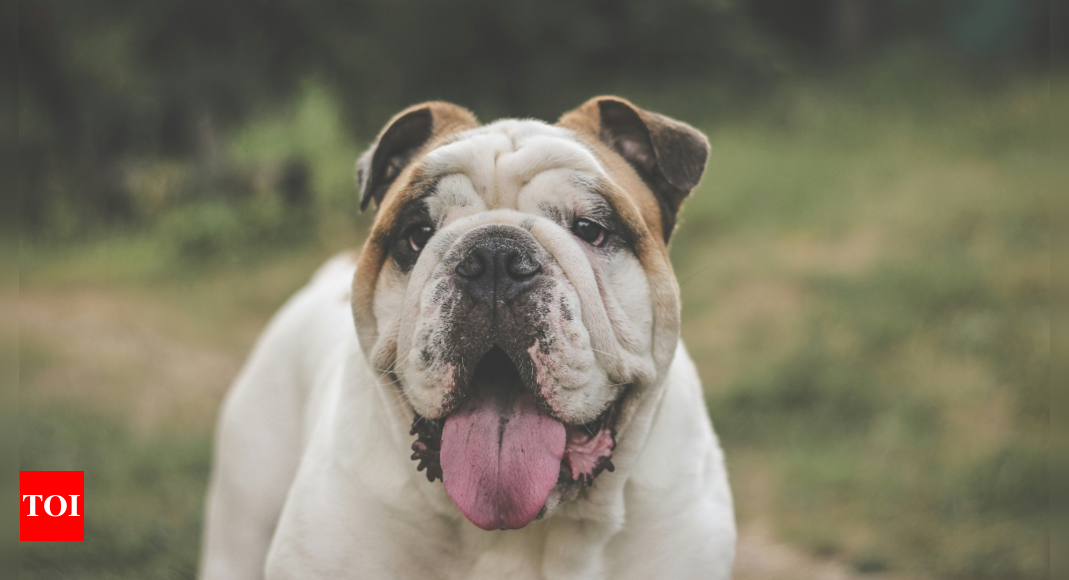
(33, 503)
(74, 506)
(48, 505)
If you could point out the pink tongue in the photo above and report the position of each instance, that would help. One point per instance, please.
(500, 457)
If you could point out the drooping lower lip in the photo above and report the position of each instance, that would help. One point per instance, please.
(500, 454)
(587, 453)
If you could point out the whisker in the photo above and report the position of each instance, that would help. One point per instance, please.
(696, 272)
(392, 368)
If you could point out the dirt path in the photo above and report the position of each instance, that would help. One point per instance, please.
(759, 556)
(115, 353)
(97, 348)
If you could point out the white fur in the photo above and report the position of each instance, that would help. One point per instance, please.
(512, 172)
(312, 476)
(357, 508)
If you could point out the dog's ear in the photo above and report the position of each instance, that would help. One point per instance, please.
(401, 140)
(669, 155)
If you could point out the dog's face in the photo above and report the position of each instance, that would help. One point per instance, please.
(516, 290)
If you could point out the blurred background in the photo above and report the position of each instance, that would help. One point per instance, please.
(865, 268)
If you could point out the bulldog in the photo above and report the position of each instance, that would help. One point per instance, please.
(495, 387)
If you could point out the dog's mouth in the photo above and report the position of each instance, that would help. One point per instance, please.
(499, 453)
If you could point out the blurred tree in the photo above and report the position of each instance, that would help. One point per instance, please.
(102, 81)
(980, 29)
(107, 81)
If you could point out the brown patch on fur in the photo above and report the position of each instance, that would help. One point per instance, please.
(631, 192)
(641, 210)
(668, 156)
(446, 121)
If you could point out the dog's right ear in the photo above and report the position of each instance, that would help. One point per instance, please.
(402, 138)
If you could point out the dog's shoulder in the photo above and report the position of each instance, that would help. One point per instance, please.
(339, 268)
(325, 297)
(319, 315)
(308, 328)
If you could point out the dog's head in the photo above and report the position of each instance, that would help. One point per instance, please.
(516, 288)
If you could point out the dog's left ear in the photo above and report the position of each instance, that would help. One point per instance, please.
(401, 140)
(669, 155)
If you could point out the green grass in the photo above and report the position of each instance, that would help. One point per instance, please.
(865, 273)
(871, 316)
(144, 496)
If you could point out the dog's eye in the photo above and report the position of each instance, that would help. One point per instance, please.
(418, 235)
(590, 232)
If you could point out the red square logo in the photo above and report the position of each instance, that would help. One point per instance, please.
(52, 505)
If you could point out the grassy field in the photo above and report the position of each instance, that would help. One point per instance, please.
(865, 273)
(873, 322)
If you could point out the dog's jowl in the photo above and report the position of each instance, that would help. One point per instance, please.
(494, 386)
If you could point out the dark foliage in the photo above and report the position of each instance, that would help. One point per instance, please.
(103, 82)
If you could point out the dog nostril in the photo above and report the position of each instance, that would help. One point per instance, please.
(522, 266)
(471, 266)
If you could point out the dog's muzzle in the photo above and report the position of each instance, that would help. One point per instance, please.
(493, 295)
(495, 442)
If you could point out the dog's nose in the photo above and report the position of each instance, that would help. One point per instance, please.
(498, 268)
